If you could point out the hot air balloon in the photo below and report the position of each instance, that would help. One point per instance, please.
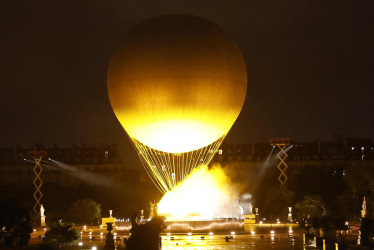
(176, 83)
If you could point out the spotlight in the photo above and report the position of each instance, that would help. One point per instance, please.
(94, 248)
(189, 234)
(211, 233)
(80, 244)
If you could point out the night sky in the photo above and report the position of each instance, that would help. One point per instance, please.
(309, 65)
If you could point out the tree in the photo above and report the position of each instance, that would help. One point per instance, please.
(310, 206)
(309, 211)
(273, 198)
(359, 183)
(15, 224)
(84, 211)
(61, 233)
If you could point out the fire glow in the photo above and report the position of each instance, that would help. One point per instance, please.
(202, 196)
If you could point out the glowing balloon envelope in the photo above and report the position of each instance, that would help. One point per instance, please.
(177, 84)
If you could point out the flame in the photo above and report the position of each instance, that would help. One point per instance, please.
(202, 196)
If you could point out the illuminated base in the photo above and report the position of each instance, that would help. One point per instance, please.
(189, 217)
(42, 221)
(249, 219)
(108, 220)
(220, 226)
(289, 218)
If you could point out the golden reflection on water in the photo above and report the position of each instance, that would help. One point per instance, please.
(208, 242)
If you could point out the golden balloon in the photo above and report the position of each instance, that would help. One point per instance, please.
(177, 83)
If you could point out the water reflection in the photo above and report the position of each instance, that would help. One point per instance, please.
(246, 241)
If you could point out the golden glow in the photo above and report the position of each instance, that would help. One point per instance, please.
(176, 136)
(176, 88)
(200, 197)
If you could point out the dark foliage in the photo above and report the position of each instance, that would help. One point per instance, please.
(367, 230)
(48, 246)
(15, 224)
(84, 211)
(61, 233)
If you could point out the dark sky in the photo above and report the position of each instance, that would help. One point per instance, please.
(309, 64)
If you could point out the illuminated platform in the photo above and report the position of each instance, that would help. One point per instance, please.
(223, 226)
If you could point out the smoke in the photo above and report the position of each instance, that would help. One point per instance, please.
(248, 178)
(245, 197)
(88, 177)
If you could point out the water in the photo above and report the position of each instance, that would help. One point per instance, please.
(263, 241)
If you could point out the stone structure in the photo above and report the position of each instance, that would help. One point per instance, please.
(42, 216)
(289, 217)
(363, 211)
(109, 242)
(363, 215)
(249, 219)
(109, 220)
(250, 208)
(141, 215)
(152, 209)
